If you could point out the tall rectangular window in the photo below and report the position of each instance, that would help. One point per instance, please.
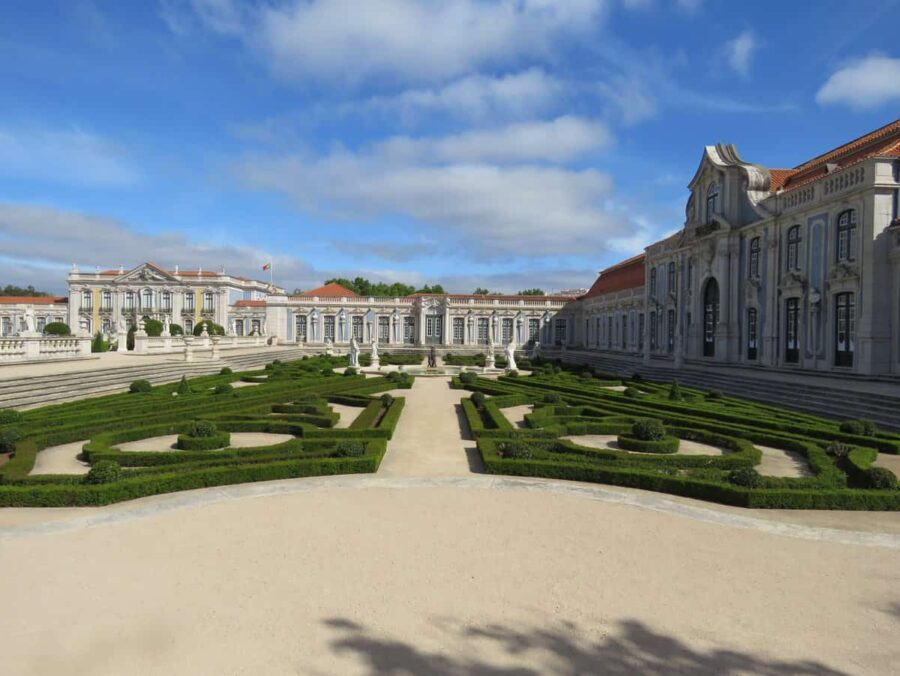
(189, 301)
(653, 282)
(624, 331)
(166, 301)
(87, 300)
(753, 271)
(752, 333)
(300, 323)
(459, 330)
(598, 329)
(671, 283)
(106, 301)
(384, 329)
(670, 331)
(792, 331)
(846, 235)
(208, 302)
(845, 329)
(641, 331)
(483, 323)
(506, 330)
(328, 326)
(147, 300)
(793, 248)
(356, 324)
(652, 330)
(560, 332)
(534, 327)
(609, 331)
(409, 330)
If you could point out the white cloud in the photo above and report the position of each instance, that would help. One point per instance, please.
(740, 52)
(72, 157)
(449, 187)
(689, 6)
(863, 83)
(411, 40)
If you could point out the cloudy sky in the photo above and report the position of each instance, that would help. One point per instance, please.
(506, 143)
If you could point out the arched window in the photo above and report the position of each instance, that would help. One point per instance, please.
(754, 258)
(793, 248)
(710, 317)
(129, 300)
(166, 300)
(712, 201)
(846, 234)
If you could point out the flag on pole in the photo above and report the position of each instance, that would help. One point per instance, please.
(267, 266)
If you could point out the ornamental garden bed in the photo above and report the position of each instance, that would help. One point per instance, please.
(201, 432)
(712, 447)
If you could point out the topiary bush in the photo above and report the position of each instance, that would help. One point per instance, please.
(513, 374)
(176, 330)
(188, 442)
(8, 439)
(104, 472)
(632, 392)
(223, 388)
(352, 448)
(9, 415)
(637, 377)
(837, 449)
(553, 398)
(675, 392)
(386, 400)
(350, 371)
(714, 395)
(98, 344)
(212, 328)
(879, 477)
(226, 371)
(648, 429)
(202, 428)
(467, 378)
(153, 327)
(745, 476)
(140, 386)
(57, 329)
(183, 387)
(865, 428)
(514, 450)
(478, 399)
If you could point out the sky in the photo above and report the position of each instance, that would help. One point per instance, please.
(504, 144)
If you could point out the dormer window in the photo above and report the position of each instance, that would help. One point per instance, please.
(754, 258)
(712, 201)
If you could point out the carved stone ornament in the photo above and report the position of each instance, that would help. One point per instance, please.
(843, 272)
(793, 280)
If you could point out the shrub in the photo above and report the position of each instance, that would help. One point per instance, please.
(513, 374)
(467, 378)
(8, 439)
(514, 450)
(879, 477)
(557, 370)
(745, 476)
(478, 399)
(176, 330)
(98, 344)
(665, 445)
(632, 392)
(675, 392)
(350, 449)
(865, 428)
(225, 371)
(183, 387)
(140, 386)
(129, 339)
(223, 388)
(838, 449)
(104, 472)
(648, 429)
(57, 329)
(212, 328)
(714, 394)
(553, 398)
(350, 371)
(187, 442)
(202, 428)
(586, 375)
(153, 327)
(8, 415)
(637, 377)
(386, 400)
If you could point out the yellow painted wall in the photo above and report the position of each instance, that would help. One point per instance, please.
(198, 306)
(95, 317)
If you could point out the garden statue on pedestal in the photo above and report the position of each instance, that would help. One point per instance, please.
(432, 358)
(83, 327)
(354, 353)
(30, 323)
(121, 336)
(376, 362)
(329, 347)
(166, 331)
(535, 350)
(233, 327)
(511, 356)
(489, 361)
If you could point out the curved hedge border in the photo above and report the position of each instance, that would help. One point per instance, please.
(188, 443)
(667, 444)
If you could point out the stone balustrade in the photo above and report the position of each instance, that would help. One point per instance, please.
(151, 345)
(43, 348)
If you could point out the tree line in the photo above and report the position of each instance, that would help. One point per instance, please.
(364, 287)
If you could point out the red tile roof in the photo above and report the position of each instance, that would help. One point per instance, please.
(628, 274)
(251, 303)
(333, 290)
(883, 142)
(33, 300)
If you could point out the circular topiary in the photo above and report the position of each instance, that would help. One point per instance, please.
(350, 371)
(140, 386)
(225, 371)
(632, 392)
(513, 374)
(187, 442)
(714, 394)
(202, 428)
(57, 329)
(864, 428)
(478, 399)
(386, 400)
(8, 415)
(648, 429)
(223, 388)
(8, 439)
(212, 328)
(881, 478)
(183, 387)
(837, 449)
(553, 398)
(745, 476)
(514, 450)
(104, 472)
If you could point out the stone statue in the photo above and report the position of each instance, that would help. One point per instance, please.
(511, 356)
(233, 327)
(354, 353)
(490, 361)
(142, 327)
(329, 348)
(166, 326)
(374, 350)
(120, 326)
(83, 327)
(535, 350)
(29, 321)
(432, 358)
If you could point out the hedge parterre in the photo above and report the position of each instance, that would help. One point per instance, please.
(567, 403)
(288, 398)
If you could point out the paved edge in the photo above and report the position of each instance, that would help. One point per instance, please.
(160, 504)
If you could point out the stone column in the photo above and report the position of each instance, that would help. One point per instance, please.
(189, 348)
(215, 346)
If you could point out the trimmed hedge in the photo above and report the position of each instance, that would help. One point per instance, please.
(187, 442)
(668, 444)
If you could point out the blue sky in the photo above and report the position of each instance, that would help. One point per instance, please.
(505, 144)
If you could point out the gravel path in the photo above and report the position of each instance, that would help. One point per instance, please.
(61, 459)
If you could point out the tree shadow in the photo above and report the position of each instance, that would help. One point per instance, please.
(473, 457)
(631, 648)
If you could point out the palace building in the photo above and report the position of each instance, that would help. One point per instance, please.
(790, 268)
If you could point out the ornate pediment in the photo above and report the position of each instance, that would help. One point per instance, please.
(146, 273)
(793, 281)
(843, 272)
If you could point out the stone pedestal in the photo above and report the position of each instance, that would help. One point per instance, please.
(489, 361)
(189, 348)
(122, 340)
(215, 346)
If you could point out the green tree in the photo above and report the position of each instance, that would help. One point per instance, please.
(532, 292)
(480, 292)
(13, 290)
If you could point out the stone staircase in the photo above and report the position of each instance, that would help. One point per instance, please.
(799, 392)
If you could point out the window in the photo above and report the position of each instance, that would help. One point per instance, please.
(482, 330)
(670, 331)
(624, 332)
(208, 305)
(753, 272)
(641, 331)
(239, 327)
(459, 328)
(189, 301)
(409, 330)
(356, 324)
(87, 300)
(560, 332)
(188, 326)
(653, 282)
(300, 324)
(6, 326)
(506, 329)
(710, 317)
(384, 329)
(752, 333)
(670, 285)
(792, 331)
(328, 325)
(652, 330)
(598, 330)
(712, 201)
(166, 301)
(147, 301)
(793, 248)
(609, 331)
(845, 330)
(690, 275)
(534, 327)
(106, 326)
(846, 234)
(106, 301)
(41, 323)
